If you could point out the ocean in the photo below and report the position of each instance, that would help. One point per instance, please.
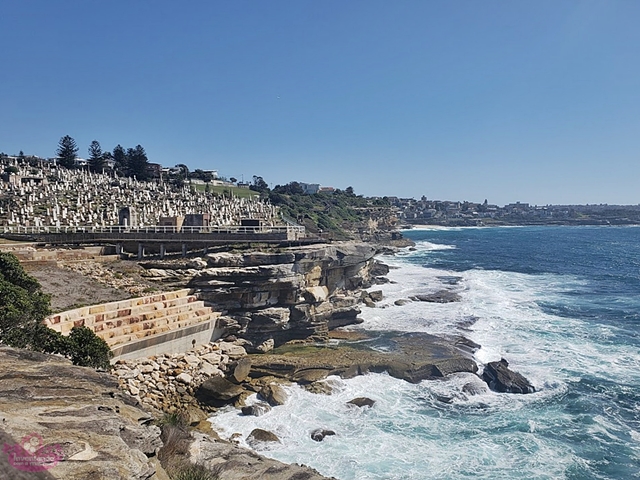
(561, 304)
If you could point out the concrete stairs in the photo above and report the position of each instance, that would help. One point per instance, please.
(137, 318)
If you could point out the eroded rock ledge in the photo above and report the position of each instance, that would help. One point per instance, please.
(412, 357)
(101, 432)
(270, 298)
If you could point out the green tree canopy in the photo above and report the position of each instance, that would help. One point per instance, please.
(120, 159)
(67, 150)
(23, 307)
(138, 163)
(96, 157)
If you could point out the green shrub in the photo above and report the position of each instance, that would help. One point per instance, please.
(23, 308)
(86, 349)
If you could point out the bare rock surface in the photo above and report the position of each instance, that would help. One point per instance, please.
(276, 296)
(236, 463)
(502, 379)
(98, 430)
(412, 357)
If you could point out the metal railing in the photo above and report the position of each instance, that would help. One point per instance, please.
(120, 229)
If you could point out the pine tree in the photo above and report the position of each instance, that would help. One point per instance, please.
(138, 163)
(96, 157)
(120, 159)
(67, 150)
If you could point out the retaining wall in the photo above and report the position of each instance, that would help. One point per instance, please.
(167, 322)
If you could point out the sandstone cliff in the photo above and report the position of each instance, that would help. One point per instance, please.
(93, 431)
(270, 298)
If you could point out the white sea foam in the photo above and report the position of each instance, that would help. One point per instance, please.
(435, 430)
(408, 434)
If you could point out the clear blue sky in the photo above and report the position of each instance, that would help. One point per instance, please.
(461, 100)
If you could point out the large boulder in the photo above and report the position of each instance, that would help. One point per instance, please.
(319, 434)
(259, 435)
(218, 390)
(362, 402)
(274, 394)
(501, 379)
(256, 410)
(442, 296)
(234, 462)
(240, 370)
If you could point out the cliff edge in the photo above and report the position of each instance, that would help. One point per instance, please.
(60, 421)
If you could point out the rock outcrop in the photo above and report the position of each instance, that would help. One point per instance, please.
(270, 298)
(236, 463)
(319, 434)
(362, 402)
(411, 357)
(94, 430)
(501, 379)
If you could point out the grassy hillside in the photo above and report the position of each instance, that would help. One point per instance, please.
(337, 215)
(225, 190)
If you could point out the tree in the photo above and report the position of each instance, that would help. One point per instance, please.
(23, 307)
(86, 349)
(138, 163)
(233, 180)
(21, 300)
(96, 157)
(120, 158)
(184, 170)
(66, 152)
(349, 191)
(259, 185)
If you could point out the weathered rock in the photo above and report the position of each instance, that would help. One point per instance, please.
(100, 433)
(239, 370)
(316, 294)
(290, 298)
(234, 351)
(402, 301)
(184, 378)
(215, 390)
(379, 269)
(414, 357)
(362, 402)
(266, 346)
(319, 388)
(209, 370)
(319, 434)
(376, 296)
(273, 394)
(257, 409)
(501, 379)
(258, 435)
(237, 463)
(442, 296)
(475, 387)
(310, 375)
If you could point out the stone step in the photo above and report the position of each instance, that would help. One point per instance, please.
(74, 315)
(131, 303)
(196, 308)
(136, 332)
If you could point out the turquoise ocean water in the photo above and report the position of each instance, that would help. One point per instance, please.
(562, 304)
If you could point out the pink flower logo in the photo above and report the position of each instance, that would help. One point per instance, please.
(30, 455)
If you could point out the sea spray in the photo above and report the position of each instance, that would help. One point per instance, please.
(547, 300)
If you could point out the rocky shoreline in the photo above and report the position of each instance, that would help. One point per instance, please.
(280, 309)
